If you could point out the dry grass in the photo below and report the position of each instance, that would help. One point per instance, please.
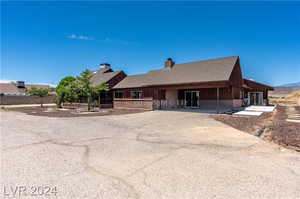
(291, 99)
(294, 95)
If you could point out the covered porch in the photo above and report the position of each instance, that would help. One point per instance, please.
(255, 93)
(206, 97)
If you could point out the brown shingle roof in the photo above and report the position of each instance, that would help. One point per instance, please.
(103, 76)
(12, 89)
(202, 71)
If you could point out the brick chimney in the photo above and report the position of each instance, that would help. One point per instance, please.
(105, 65)
(169, 63)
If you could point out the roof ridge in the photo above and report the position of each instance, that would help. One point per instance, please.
(206, 60)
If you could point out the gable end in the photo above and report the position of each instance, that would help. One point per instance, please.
(236, 77)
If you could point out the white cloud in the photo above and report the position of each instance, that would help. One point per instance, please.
(80, 37)
(105, 40)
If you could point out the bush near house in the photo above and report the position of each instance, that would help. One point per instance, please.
(71, 89)
(39, 92)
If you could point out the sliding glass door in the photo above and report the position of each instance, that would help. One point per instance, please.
(192, 99)
(255, 98)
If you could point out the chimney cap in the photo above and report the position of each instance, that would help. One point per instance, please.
(105, 64)
(169, 63)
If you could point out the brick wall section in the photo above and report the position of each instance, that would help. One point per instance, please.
(204, 104)
(146, 104)
(14, 100)
(149, 104)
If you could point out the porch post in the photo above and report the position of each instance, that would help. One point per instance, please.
(218, 100)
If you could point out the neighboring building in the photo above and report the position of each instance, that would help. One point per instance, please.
(15, 93)
(216, 83)
(110, 77)
(18, 88)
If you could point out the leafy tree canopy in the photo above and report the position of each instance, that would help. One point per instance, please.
(66, 81)
(67, 90)
(70, 89)
(39, 92)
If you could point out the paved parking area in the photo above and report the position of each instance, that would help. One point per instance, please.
(160, 154)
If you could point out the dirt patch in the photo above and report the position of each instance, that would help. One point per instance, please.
(278, 130)
(53, 111)
(283, 132)
(249, 124)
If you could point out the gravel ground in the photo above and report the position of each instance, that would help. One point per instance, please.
(279, 130)
(160, 154)
(282, 131)
(249, 124)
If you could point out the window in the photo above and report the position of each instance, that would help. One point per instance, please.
(119, 94)
(136, 94)
(241, 94)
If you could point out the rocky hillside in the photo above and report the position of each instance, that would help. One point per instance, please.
(283, 91)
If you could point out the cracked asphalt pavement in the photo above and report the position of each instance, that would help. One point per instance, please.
(160, 154)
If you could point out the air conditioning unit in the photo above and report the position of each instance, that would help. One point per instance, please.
(20, 84)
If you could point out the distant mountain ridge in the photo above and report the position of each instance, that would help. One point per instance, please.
(285, 89)
(296, 84)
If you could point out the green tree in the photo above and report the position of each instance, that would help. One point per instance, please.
(39, 92)
(87, 89)
(67, 90)
(85, 86)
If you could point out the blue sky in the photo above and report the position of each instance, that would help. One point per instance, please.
(41, 42)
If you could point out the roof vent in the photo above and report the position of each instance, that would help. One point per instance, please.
(169, 63)
(20, 84)
(105, 65)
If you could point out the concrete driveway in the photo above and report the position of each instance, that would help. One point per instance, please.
(160, 154)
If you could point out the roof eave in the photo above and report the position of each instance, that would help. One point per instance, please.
(264, 85)
(225, 83)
